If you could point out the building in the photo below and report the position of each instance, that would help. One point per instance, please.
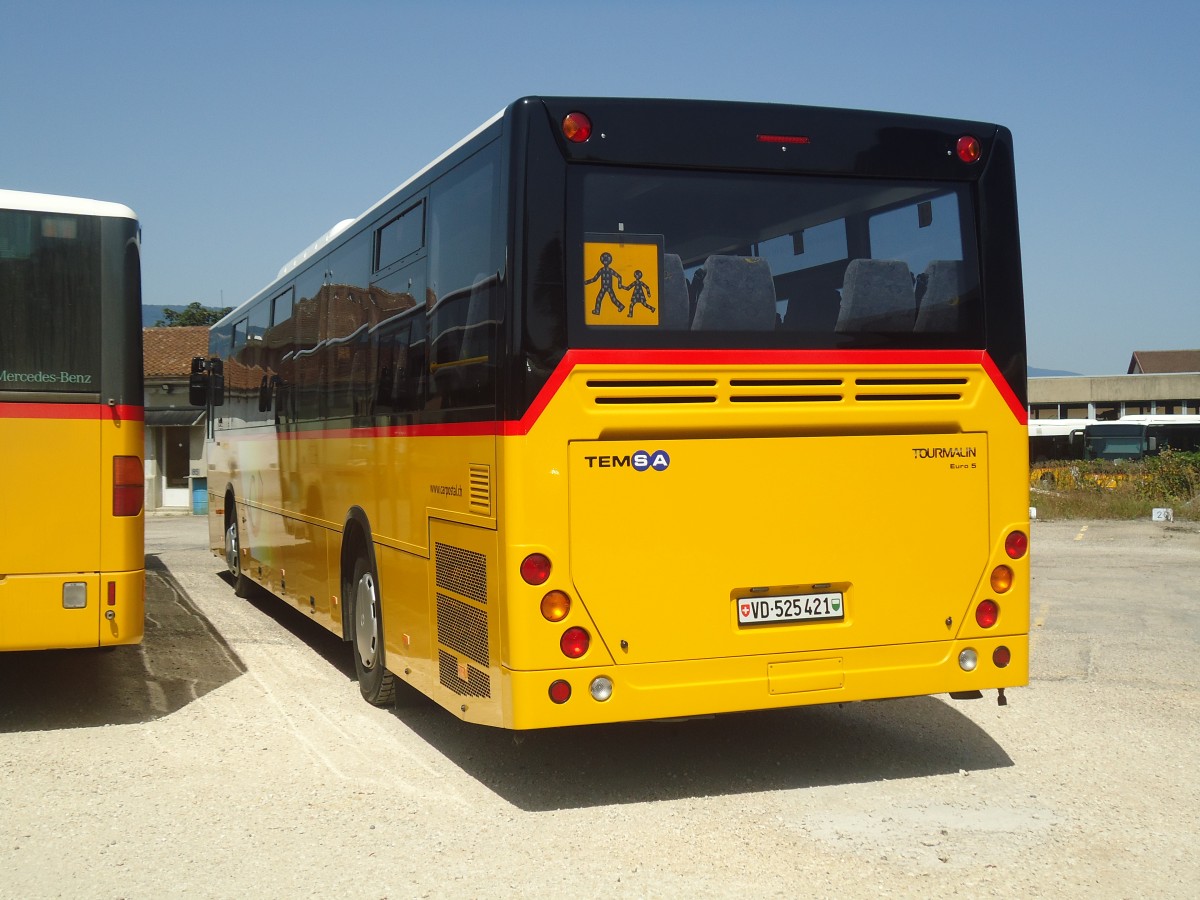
(1162, 387)
(176, 462)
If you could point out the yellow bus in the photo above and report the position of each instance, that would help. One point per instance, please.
(72, 564)
(636, 409)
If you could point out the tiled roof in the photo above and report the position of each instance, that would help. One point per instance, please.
(1157, 362)
(168, 352)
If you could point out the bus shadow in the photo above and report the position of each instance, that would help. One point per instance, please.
(181, 659)
(319, 639)
(772, 750)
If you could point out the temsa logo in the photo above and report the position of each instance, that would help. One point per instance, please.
(639, 461)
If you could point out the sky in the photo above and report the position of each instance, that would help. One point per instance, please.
(241, 131)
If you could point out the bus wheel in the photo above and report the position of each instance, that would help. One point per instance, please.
(233, 553)
(377, 684)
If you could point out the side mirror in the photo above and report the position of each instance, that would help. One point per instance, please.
(198, 382)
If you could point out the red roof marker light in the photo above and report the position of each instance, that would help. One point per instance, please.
(969, 149)
(576, 127)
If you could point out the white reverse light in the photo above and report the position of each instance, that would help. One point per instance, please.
(601, 688)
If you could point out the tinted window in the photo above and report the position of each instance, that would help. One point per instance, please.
(728, 259)
(466, 255)
(49, 302)
(400, 237)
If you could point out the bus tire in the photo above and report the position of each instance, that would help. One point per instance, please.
(375, 682)
(233, 550)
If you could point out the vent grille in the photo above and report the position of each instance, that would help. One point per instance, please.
(463, 627)
(462, 571)
(476, 684)
(782, 390)
(480, 484)
(909, 389)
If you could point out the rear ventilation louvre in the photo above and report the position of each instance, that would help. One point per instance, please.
(913, 391)
(782, 390)
(480, 485)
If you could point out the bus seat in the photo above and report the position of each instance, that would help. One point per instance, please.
(877, 295)
(738, 295)
(674, 309)
(939, 290)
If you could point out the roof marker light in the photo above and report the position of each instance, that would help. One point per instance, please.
(969, 149)
(576, 127)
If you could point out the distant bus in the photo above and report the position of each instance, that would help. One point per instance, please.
(1129, 438)
(71, 421)
(633, 409)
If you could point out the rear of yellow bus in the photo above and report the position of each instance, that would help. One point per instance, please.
(768, 442)
(71, 424)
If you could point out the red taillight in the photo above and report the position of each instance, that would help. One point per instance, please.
(969, 149)
(574, 642)
(535, 569)
(1001, 657)
(783, 139)
(127, 486)
(986, 613)
(560, 691)
(1016, 544)
(577, 127)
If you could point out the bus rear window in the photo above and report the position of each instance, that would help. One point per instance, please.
(49, 303)
(733, 259)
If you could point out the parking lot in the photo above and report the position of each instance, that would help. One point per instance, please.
(231, 755)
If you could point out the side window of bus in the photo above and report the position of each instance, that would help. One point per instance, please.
(305, 362)
(401, 237)
(345, 351)
(465, 261)
(278, 347)
(237, 379)
(399, 342)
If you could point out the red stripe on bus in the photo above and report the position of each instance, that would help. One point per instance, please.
(858, 359)
(72, 411)
(865, 359)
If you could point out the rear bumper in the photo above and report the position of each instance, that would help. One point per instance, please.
(33, 615)
(708, 686)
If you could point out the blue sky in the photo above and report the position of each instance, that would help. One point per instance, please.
(241, 131)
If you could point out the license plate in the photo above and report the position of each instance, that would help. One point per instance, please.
(793, 608)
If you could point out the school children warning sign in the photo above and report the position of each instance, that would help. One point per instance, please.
(621, 279)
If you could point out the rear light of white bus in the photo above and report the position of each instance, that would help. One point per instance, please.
(127, 486)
